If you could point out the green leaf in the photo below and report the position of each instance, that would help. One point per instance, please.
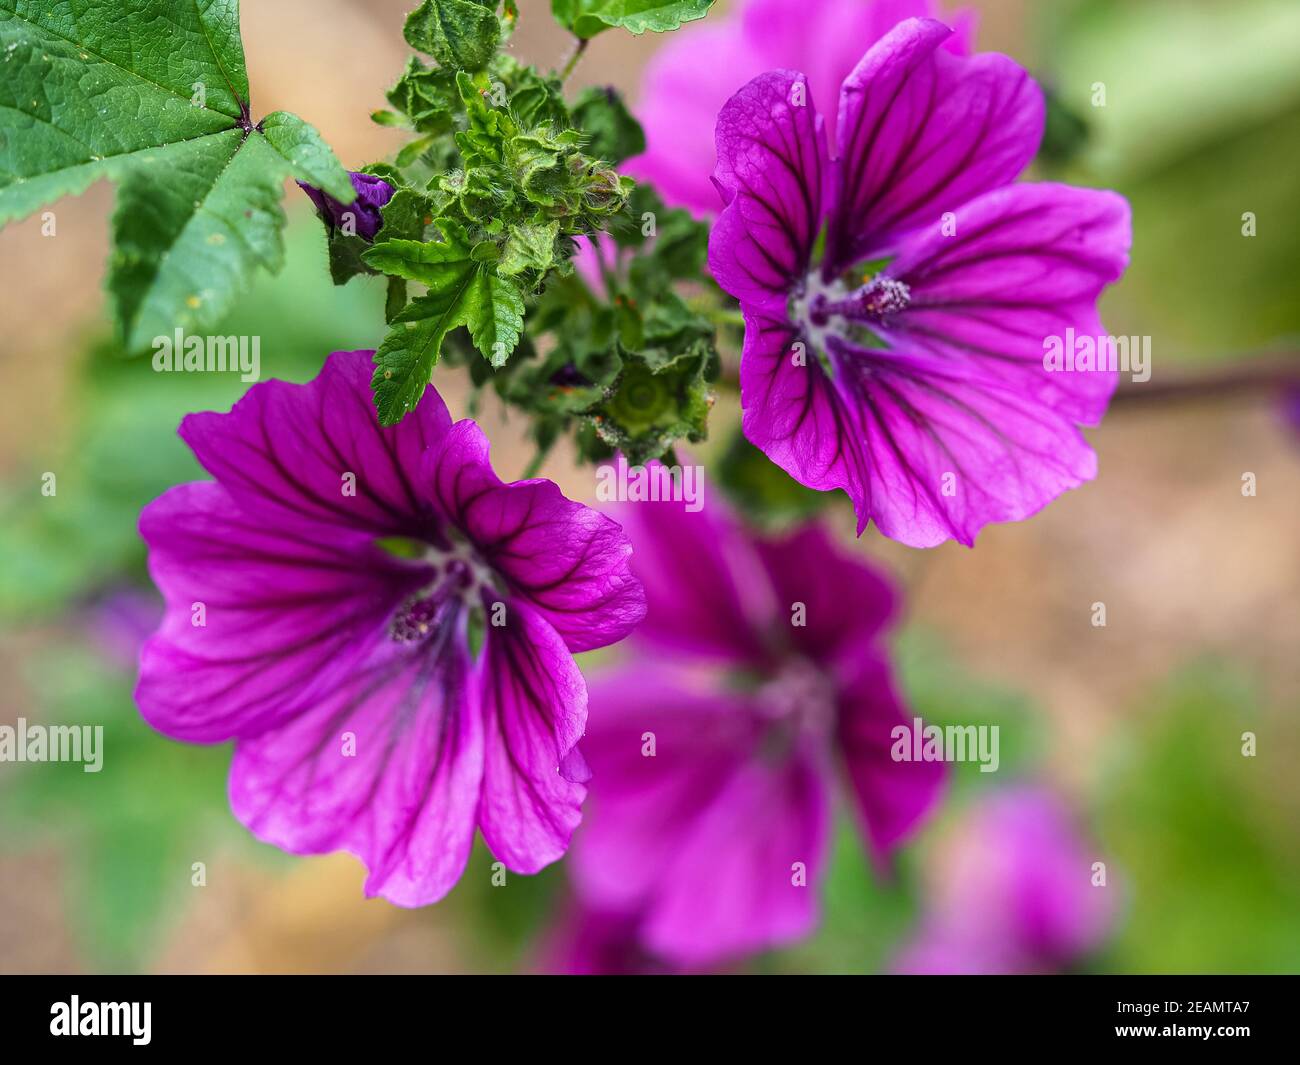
(496, 316)
(421, 260)
(614, 135)
(81, 90)
(529, 247)
(459, 34)
(426, 96)
(587, 18)
(308, 157)
(154, 95)
(405, 360)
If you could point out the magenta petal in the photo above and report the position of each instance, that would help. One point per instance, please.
(845, 601)
(386, 765)
(1027, 262)
(920, 132)
(568, 561)
(535, 709)
(892, 797)
(317, 452)
(948, 451)
(771, 153)
(701, 836)
(748, 876)
(828, 38)
(261, 619)
(695, 72)
(685, 85)
(704, 584)
(660, 749)
(793, 413)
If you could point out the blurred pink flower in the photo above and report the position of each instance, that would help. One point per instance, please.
(122, 621)
(1012, 892)
(704, 63)
(758, 682)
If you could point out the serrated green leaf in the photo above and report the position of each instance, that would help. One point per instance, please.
(529, 247)
(406, 358)
(153, 94)
(185, 243)
(496, 316)
(421, 260)
(586, 18)
(78, 92)
(308, 157)
(194, 219)
(459, 34)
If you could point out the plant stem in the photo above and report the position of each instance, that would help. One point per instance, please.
(574, 56)
(1252, 375)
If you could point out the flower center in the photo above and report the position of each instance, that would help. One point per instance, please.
(800, 697)
(461, 580)
(872, 303)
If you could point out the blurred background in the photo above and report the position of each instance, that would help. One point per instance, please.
(1134, 728)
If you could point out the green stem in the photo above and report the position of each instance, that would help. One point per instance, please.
(726, 316)
(574, 56)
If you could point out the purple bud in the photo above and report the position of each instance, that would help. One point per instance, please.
(360, 217)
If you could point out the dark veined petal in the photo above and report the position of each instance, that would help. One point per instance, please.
(1025, 264)
(892, 797)
(920, 132)
(387, 765)
(262, 618)
(844, 600)
(947, 451)
(794, 414)
(704, 584)
(316, 452)
(570, 562)
(770, 173)
(535, 710)
(702, 839)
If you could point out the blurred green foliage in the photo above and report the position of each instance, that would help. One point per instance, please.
(124, 450)
(1203, 838)
(128, 834)
(1200, 124)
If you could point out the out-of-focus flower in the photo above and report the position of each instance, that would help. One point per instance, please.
(758, 675)
(325, 596)
(703, 64)
(1011, 892)
(920, 387)
(122, 621)
(585, 942)
(362, 216)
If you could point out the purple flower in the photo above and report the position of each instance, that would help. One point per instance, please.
(703, 63)
(588, 943)
(324, 597)
(919, 388)
(361, 217)
(1012, 892)
(757, 673)
(122, 621)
